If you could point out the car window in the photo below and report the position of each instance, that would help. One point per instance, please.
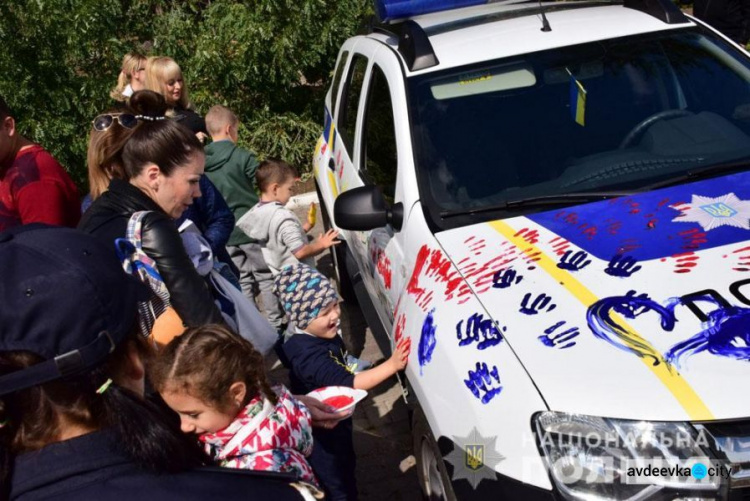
(616, 115)
(379, 149)
(347, 119)
(337, 81)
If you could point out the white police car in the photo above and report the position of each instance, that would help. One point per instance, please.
(553, 201)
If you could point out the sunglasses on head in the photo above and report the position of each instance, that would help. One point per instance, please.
(104, 122)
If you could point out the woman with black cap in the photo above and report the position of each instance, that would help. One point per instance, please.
(73, 420)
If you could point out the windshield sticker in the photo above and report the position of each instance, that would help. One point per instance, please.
(577, 101)
(479, 330)
(574, 262)
(712, 213)
(561, 339)
(427, 341)
(470, 78)
(484, 383)
(540, 304)
(665, 224)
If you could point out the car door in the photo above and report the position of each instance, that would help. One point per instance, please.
(381, 149)
(370, 157)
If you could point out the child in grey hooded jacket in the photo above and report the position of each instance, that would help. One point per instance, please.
(281, 236)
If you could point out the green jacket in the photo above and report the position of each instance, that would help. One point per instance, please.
(232, 170)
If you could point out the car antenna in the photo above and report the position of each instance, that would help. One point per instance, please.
(545, 24)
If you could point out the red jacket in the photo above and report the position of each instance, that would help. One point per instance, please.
(36, 189)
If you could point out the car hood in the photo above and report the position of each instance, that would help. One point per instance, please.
(636, 307)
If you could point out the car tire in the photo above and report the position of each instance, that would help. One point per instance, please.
(431, 471)
(338, 256)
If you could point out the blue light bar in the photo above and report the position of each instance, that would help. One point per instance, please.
(388, 10)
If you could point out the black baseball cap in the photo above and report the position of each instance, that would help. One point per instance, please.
(65, 297)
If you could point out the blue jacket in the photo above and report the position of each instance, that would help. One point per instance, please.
(315, 363)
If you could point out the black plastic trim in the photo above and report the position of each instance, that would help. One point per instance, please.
(414, 45)
(663, 10)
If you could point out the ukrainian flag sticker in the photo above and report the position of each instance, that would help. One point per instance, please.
(577, 101)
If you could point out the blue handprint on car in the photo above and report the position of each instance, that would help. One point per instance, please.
(574, 262)
(479, 330)
(622, 266)
(502, 279)
(484, 383)
(541, 302)
(560, 339)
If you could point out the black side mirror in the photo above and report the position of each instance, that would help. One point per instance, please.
(364, 208)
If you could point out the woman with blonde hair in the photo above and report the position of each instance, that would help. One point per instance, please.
(132, 77)
(163, 75)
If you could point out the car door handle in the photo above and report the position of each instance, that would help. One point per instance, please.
(331, 164)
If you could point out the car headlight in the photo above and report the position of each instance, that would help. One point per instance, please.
(598, 458)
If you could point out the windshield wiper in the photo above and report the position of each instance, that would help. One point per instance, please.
(543, 200)
(694, 175)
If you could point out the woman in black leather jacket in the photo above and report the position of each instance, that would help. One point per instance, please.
(163, 164)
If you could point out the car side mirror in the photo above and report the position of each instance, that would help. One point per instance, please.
(364, 208)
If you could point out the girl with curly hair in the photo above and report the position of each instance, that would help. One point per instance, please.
(215, 381)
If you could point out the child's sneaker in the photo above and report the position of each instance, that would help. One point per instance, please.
(357, 365)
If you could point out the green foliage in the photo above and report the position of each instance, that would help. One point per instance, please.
(287, 136)
(268, 60)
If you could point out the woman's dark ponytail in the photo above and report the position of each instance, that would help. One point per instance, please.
(157, 139)
(147, 434)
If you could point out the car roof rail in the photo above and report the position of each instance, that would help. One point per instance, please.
(413, 43)
(664, 10)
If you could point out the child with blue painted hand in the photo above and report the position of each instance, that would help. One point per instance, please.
(317, 358)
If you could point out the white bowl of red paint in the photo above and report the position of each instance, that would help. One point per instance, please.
(341, 398)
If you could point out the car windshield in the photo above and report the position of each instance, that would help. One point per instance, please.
(616, 116)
